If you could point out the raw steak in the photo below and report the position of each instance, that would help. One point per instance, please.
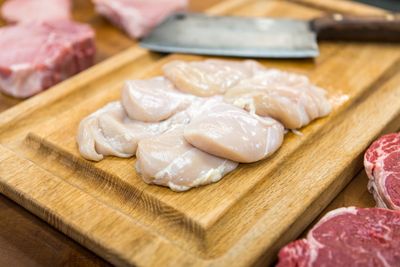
(40, 55)
(138, 17)
(36, 10)
(382, 164)
(348, 237)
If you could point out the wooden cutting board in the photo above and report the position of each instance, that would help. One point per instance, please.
(240, 221)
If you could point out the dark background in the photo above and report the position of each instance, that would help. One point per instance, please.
(393, 5)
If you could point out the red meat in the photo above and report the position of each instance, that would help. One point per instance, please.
(382, 164)
(40, 55)
(348, 237)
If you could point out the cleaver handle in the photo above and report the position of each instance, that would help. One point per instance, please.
(384, 28)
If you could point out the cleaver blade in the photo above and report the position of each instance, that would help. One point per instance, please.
(233, 36)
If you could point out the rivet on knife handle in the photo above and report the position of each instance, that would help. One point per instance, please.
(353, 28)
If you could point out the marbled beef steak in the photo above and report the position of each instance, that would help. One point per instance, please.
(348, 237)
(382, 164)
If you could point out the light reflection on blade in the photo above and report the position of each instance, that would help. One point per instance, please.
(233, 36)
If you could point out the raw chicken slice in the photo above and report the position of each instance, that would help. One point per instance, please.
(230, 132)
(36, 10)
(153, 100)
(109, 131)
(289, 98)
(138, 17)
(209, 77)
(170, 161)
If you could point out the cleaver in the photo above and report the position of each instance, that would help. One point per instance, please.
(202, 34)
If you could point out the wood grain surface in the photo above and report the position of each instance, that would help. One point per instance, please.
(354, 194)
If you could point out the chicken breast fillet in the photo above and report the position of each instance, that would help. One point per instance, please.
(208, 77)
(153, 100)
(110, 132)
(287, 97)
(170, 161)
(230, 132)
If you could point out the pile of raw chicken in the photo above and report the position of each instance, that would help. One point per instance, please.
(195, 124)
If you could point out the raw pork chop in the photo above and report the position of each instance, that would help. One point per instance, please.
(230, 132)
(209, 77)
(169, 160)
(138, 17)
(109, 131)
(40, 55)
(290, 98)
(153, 100)
(382, 164)
(348, 237)
(36, 10)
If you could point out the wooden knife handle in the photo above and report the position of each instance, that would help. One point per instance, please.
(384, 28)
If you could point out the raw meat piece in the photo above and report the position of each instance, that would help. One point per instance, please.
(109, 131)
(169, 160)
(153, 100)
(138, 17)
(36, 10)
(348, 237)
(208, 77)
(382, 164)
(40, 55)
(287, 97)
(230, 132)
